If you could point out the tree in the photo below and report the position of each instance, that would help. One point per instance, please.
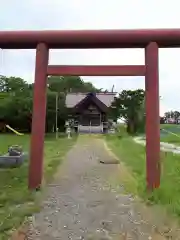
(167, 115)
(172, 114)
(51, 110)
(130, 106)
(176, 115)
(16, 98)
(69, 84)
(12, 84)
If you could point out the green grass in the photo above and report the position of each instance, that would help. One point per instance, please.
(174, 133)
(170, 138)
(170, 126)
(16, 202)
(133, 157)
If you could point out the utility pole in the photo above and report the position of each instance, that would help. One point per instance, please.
(56, 115)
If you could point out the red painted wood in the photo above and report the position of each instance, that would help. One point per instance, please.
(126, 70)
(149, 39)
(90, 38)
(152, 116)
(39, 117)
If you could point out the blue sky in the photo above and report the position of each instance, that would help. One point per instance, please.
(95, 14)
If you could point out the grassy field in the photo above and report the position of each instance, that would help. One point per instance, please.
(170, 138)
(132, 155)
(16, 202)
(170, 133)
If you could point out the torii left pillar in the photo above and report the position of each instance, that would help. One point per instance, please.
(39, 117)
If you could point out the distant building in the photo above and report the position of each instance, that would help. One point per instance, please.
(170, 120)
(90, 110)
(162, 120)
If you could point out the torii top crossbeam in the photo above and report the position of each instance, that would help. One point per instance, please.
(90, 38)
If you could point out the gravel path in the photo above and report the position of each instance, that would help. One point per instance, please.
(81, 204)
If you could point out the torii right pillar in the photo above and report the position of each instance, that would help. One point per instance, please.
(152, 116)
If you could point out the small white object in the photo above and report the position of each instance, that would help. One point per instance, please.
(68, 132)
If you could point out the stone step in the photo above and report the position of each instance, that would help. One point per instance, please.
(90, 129)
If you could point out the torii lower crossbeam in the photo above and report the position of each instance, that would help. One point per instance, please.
(101, 70)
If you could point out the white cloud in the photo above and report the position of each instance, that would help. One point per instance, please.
(80, 14)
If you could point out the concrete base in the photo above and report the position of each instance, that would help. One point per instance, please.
(7, 161)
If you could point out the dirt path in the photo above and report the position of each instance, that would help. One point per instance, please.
(81, 204)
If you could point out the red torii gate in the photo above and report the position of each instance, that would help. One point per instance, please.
(150, 40)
